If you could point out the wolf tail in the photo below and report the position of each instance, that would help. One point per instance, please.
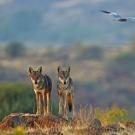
(69, 102)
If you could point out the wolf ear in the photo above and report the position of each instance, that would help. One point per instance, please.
(58, 69)
(40, 69)
(30, 69)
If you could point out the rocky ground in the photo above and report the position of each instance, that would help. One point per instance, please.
(55, 125)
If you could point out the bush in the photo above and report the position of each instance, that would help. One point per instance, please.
(93, 52)
(18, 131)
(112, 115)
(19, 97)
(123, 63)
(15, 49)
(16, 97)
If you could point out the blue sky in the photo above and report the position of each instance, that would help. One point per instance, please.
(65, 22)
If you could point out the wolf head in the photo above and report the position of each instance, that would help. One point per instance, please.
(63, 74)
(35, 74)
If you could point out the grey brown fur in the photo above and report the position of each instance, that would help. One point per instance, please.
(42, 86)
(65, 91)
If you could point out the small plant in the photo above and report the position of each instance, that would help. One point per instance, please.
(111, 116)
(18, 131)
(15, 49)
(91, 53)
(122, 63)
(12, 97)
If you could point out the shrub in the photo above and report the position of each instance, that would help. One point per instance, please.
(16, 97)
(112, 115)
(19, 97)
(93, 52)
(15, 49)
(122, 63)
(18, 131)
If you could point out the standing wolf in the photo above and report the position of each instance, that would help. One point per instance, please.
(42, 86)
(65, 90)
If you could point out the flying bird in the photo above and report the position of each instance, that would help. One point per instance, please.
(118, 17)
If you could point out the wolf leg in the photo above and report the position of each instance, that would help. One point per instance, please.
(38, 103)
(65, 106)
(44, 103)
(73, 105)
(60, 104)
(48, 103)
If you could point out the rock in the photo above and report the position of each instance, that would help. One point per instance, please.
(95, 127)
(129, 125)
(96, 124)
(32, 121)
(56, 125)
(112, 128)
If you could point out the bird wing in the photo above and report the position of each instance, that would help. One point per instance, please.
(115, 15)
(122, 20)
(130, 18)
(105, 11)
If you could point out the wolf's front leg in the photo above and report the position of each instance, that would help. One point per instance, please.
(48, 103)
(73, 105)
(60, 104)
(44, 103)
(65, 106)
(38, 103)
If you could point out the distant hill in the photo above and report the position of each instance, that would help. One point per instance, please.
(102, 76)
(65, 22)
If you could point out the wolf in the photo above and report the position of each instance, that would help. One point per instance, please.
(42, 86)
(65, 90)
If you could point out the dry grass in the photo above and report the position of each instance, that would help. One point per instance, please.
(84, 123)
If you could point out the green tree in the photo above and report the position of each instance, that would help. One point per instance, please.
(123, 63)
(19, 97)
(92, 52)
(15, 49)
(16, 97)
